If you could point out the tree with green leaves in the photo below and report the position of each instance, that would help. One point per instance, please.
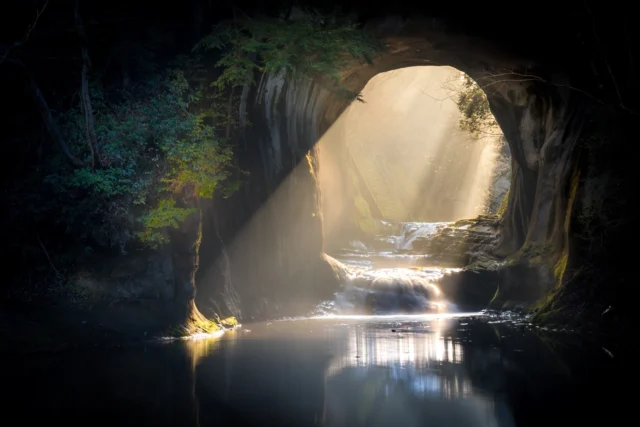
(473, 105)
(477, 119)
(306, 45)
(154, 143)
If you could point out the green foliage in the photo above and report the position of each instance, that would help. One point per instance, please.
(155, 142)
(312, 45)
(197, 161)
(474, 107)
(165, 215)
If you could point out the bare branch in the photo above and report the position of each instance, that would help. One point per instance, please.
(451, 97)
(48, 258)
(35, 21)
(532, 77)
(606, 62)
(45, 112)
(38, 97)
(5, 50)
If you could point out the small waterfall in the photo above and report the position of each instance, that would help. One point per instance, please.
(390, 290)
(413, 230)
(379, 277)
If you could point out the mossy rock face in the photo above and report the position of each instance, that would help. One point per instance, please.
(464, 243)
(471, 290)
(229, 322)
(561, 266)
(201, 325)
(503, 205)
(521, 283)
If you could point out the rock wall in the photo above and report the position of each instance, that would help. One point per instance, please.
(501, 179)
(263, 247)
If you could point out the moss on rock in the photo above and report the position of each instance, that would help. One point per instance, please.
(503, 205)
(561, 267)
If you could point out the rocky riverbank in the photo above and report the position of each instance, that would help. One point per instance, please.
(464, 243)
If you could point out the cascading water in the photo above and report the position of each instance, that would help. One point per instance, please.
(384, 276)
(411, 231)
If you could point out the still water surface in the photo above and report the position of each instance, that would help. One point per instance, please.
(341, 371)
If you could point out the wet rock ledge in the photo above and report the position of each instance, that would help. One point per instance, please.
(467, 244)
(464, 243)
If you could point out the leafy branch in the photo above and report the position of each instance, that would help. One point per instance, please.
(313, 46)
(473, 105)
(159, 144)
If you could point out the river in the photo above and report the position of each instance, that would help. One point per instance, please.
(428, 370)
(337, 368)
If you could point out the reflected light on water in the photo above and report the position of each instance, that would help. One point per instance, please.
(416, 375)
(422, 353)
(201, 346)
(348, 371)
(418, 349)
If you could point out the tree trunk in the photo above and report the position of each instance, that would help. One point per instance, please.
(88, 117)
(92, 140)
(45, 113)
(229, 115)
(185, 247)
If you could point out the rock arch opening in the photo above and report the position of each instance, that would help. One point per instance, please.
(281, 227)
(405, 155)
(400, 176)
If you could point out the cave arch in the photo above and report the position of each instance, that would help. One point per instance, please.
(539, 116)
(534, 105)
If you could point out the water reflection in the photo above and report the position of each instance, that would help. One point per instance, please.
(415, 376)
(413, 348)
(341, 372)
(333, 373)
